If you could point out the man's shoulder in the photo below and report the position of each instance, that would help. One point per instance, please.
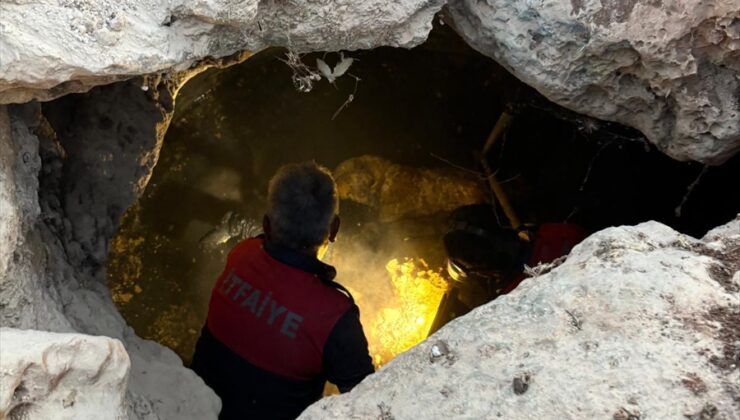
(339, 291)
(331, 294)
(246, 247)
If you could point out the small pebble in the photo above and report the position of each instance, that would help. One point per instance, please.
(439, 349)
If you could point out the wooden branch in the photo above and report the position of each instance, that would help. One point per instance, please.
(498, 130)
(503, 200)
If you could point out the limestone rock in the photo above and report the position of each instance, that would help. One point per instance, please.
(397, 191)
(638, 321)
(668, 68)
(62, 376)
(52, 47)
(97, 152)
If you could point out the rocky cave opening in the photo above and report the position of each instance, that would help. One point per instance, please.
(137, 139)
(403, 130)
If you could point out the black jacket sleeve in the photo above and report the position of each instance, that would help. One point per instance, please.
(346, 358)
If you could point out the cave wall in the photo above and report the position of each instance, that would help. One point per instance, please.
(111, 138)
(93, 42)
(666, 68)
(66, 181)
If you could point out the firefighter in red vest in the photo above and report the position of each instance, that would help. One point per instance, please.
(278, 324)
(486, 260)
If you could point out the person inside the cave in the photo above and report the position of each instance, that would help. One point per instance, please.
(278, 324)
(486, 260)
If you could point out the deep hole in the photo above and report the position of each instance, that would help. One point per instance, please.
(429, 107)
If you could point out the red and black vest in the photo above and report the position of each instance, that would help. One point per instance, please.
(278, 327)
(552, 241)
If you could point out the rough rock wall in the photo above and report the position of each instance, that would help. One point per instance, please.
(396, 191)
(668, 68)
(52, 47)
(638, 322)
(65, 183)
(62, 376)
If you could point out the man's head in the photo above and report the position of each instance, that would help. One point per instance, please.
(302, 207)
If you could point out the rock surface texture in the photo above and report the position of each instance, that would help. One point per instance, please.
(668, 68)
(396, 191)
(92, 42)
(638, 322)
(634, 315)
(62, 376)
(66, 176)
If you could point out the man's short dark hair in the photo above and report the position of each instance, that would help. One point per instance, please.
(302, 202)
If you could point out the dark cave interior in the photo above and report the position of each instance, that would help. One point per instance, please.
(429, 107)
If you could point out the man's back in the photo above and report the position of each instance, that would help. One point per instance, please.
(276, 330)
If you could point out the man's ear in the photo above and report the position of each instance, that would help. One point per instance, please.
(334, 229)
(266, 226)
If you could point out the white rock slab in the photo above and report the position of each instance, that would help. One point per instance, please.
(62, 376)
(52, 47)
(630, 324)
(669, 68)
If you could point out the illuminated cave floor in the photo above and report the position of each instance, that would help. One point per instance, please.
(234, 127)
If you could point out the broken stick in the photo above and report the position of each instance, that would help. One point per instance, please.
(498, 130)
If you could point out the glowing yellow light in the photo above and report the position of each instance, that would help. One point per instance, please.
(418, 291)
